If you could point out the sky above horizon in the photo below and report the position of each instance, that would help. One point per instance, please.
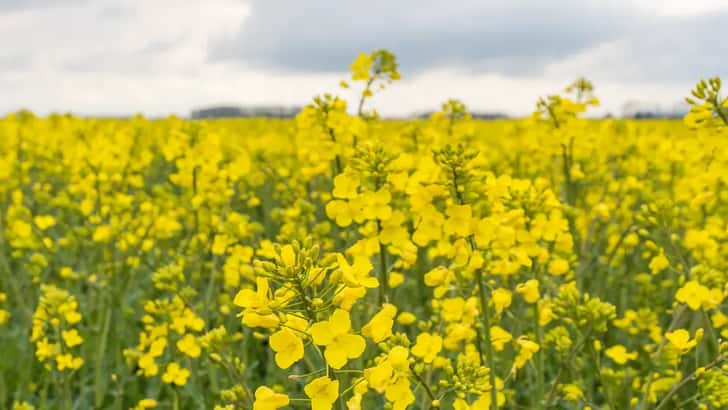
(159, 57)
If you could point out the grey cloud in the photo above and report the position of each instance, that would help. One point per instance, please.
(117, 12)
(487, 36)
(676, 49)
(659, 50)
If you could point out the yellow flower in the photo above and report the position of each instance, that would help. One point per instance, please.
(323, 392)
(398, 358)
(357, 274)
(439, 278)
(288, 347)
(340, 344)
(400, 394)
(395, 279)
(220, 244)
(267, 399)
(102, 234)
(719, 319)
(406, 318)
(459, 221)
(68, 273)
(572, 392)
(429, 227)
(379, 327)
(71, 337)
(453, 309)
(427, 347)
(147, 365)
(379, 376)
(256, 304)
(175, 374)
(545, 313)
(21, 229)
(189, 346)
(680, 340)
(696, 295)
(145, 404)
(361, 66)
(22, 405)
(499, 337)
(44, 222)
(345, 186)
(659, 263)
(527, 349)
(346, 297)
(501, 299)
(341, 211)
(156, 348)
(529, 290)
(376, 205)
(67, 361)
(620, 355)
(288, 255)
(558, 266)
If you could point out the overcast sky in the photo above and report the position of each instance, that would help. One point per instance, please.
(170, 56)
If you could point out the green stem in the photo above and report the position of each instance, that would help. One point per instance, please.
(424, 385)
(673, 324)
(210, 288)
(484, 310)
(568, 360)
(719, 110)
(718, 360)
(539, 361)
(175, 399)
(485, 317)
(337, 159)
(99, 379)
(383, 283)
(363, 98)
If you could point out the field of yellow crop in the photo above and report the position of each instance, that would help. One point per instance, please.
(342, 261)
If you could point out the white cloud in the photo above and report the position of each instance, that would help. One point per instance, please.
(169, 56)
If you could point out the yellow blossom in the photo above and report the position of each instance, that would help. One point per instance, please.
(427, 346)
(288, 347)
(323, 392)
(659, 263)
(558, 266)
(175, 374)
(189, 346)
(71, 337)
(267, 399)
(380, 327)
(501, 299)
(619, 354)
(529, 290)
(334, 334)
(680, 340)
(696, 295)
(526, 350)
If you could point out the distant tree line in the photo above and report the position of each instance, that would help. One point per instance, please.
(631, 109)
(643, 110)
(476, 115)
(235, 111)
